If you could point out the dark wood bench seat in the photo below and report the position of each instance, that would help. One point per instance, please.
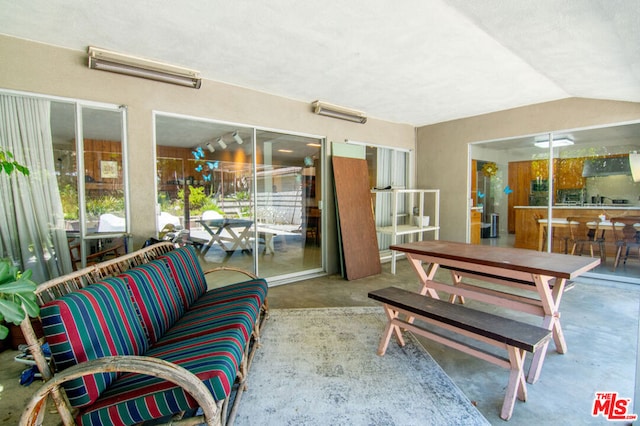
(515, 337)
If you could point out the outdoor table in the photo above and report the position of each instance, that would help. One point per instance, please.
(542, 274)
(230, 234)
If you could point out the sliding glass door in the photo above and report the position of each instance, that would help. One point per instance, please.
(242, 196)
(566, 192)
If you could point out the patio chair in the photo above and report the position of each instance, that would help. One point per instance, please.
(627, 238)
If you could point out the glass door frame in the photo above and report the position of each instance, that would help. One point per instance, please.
(278, 279)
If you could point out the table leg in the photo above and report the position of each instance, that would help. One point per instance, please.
(424, 276)
(550, 302)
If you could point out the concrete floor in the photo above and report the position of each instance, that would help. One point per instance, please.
(599, 318)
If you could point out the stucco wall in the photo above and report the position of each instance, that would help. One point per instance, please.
(44, 69)
(442, 159)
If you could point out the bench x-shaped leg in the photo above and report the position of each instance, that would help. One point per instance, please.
(550, 299)
(517, 386)
(391, 328)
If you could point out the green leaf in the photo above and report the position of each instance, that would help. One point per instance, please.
(29, 306)
(26, 275)
(5, 272)
(22, 169)
(8, 167)
(20, 286)
(4, 332)
(11, 311)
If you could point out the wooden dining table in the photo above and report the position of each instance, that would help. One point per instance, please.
(523, 280)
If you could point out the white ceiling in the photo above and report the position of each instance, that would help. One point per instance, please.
(410, 61)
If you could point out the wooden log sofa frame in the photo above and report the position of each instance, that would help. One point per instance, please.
(140, 338)
(515, 337)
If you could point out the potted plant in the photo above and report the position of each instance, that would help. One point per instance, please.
(17, 297)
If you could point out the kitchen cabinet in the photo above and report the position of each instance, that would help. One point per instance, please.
(476, 222)
(520, 183)
(569, 173)
(539, 169)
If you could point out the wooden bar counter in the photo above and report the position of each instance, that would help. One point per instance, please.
(526, 224)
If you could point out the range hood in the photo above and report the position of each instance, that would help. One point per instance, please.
(606, 166)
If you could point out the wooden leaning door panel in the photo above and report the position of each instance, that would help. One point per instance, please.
(357, 225)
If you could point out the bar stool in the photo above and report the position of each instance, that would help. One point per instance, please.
(585, 231)
(557, 235)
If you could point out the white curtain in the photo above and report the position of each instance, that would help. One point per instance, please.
(383, 199)
(391, 171)
(32, 227)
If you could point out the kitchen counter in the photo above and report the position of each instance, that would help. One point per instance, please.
(616, 207)
(526, 225)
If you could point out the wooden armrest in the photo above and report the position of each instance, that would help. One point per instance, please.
(232, 269)
(134, 364)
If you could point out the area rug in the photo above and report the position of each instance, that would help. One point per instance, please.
(320, 367)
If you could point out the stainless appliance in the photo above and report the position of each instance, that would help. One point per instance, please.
(571, 196)
(539, 185)
(539, 192)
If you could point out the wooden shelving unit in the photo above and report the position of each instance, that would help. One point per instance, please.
(407, 205)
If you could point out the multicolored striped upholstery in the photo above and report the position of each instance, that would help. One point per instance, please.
(255, 289)
(156, 295)
(185, 268)
(160, 309)
(214, 358)
(98, 321)
(236, 305)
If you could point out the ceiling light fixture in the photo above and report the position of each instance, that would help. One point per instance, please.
(237, 137)
(334, 111)
(106, 60)
(222, 144)
(555, 143)
(210, 147)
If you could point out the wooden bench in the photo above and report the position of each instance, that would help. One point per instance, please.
(141, 338)
(457, 274)
(515, 337)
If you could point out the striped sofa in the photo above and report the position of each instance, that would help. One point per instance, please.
(160, 312)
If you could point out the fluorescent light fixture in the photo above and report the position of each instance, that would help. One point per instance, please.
(285, 150)
(106, 60)
(237, 137)
(555, 143)
(222, 144)
(334, 111)
(210, 147)
(634, 164)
